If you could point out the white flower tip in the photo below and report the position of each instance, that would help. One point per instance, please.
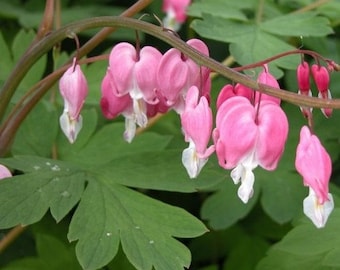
(70, 127)
(192, 163)
(139, 108)
(169, 21)
(316, 212)
(130, 129)
(246, 191)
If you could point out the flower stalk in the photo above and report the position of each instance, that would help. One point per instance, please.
(110, 22)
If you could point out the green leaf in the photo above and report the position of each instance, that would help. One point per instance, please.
(248, 42)
(24, 199)
(144, 226)
(52, 254)
(108, 144)
(306, 247)
(306, 240)
(220, 8)
(250, 248)
(21, 42)
(224, 208)
(298, 24)
(283, 193)
(32, 138)
(138, 170)
(6, 62)
(279, 260)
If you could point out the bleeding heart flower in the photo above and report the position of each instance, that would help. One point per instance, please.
(321, 78)
(177, 73)
(268, 79)
(230, 90)
(133, 72)
(197, 126)
(175, 13)
(246, 136)
(73, 88)
(315, 166)
(303, 74)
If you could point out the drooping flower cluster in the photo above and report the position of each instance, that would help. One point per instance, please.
(320, 76)
(251, 128)
(140, 84)
(250, 131)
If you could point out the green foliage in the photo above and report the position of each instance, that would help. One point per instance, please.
(51, 254)
(12, 54)
(253, 38)
(306, 247)
(107, 212)
(102, 203)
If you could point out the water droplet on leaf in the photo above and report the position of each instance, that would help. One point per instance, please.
(65, 194)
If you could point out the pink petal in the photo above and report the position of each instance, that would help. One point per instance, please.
(321, 77)
(302, 74)
(266, 78)
(146, 73)
(173, 75)
(197, 120)
(4, 172)
(273, 131)
(178, 6)
(112, 105)
(237, 132)
(122, 60)
(73, 88)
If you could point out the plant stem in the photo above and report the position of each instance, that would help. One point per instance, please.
(10, 237)
(44, 45)
(48, 42)
(312, 6)
(259, 13)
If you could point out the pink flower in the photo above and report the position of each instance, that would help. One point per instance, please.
(73, 88)
(113, 105)
(303, 73)
(175, 13)
(321, 78)
(177, 73)
(230, 90)
(134, 73)
(266, 78)
(4, 172)
(197, 126)
(246, 137)
(315, 166)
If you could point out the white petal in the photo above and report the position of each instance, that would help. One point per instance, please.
(236, 173)
(70, 127)
(139, 109)
(316, 212)
(169, 21)
(246, 191)
(130, 129)
(192, 163)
